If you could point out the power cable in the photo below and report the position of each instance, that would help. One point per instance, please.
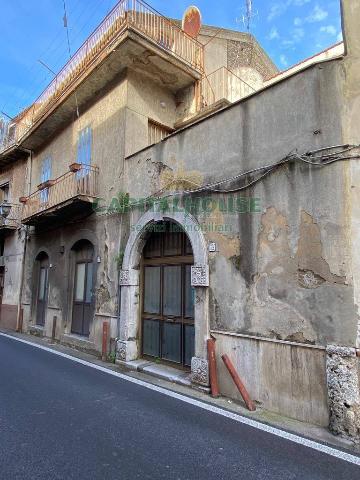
(310, 158)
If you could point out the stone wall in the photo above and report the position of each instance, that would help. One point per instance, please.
(344, 391)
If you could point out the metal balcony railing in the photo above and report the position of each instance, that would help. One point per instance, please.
(70, 185)
(134, 14)
(221, 84)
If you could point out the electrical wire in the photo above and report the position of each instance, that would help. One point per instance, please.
(309, 158)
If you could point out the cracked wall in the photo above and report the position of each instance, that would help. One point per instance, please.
(282, 274)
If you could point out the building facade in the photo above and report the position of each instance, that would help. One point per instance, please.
(159, 195)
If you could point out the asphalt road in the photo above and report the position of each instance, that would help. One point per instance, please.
(64, 420)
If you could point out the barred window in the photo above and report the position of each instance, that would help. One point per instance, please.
(157, 132)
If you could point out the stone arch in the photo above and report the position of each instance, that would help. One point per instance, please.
(128, 343)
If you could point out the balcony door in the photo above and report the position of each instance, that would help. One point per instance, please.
(84, 153)
(45, 176)
(83, 298)
(42, 289)
(168, 298)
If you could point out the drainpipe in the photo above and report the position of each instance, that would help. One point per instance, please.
(119, 309)
(22, 271)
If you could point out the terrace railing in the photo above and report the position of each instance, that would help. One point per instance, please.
(135, 14)
(72, 184)
(221, 84)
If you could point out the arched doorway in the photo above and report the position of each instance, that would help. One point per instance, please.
(130, 342)
(167, 318)
(83, 304)
(42, 287)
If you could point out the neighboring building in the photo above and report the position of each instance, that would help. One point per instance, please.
(13, 171)
(148, 155)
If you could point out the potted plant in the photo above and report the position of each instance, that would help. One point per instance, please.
(75, 167)
(47, 184)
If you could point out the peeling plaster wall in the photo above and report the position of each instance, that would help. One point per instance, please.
(350, 81)
(282, 272)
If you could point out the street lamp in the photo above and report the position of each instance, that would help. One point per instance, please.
(5, 209)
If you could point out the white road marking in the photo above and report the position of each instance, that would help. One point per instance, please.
(205, 406)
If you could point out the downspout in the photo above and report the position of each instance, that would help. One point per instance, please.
(22, 271)
(119, 308)
(118, 319)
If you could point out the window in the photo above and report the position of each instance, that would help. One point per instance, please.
(84, 146)
(4, 193)
(157, 132)
(45, 175)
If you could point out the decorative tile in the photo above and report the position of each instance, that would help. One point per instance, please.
(200, 276)
(199, 371)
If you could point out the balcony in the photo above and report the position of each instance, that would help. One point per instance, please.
(148, 41)
(68, 197)
(222, 84)
(10, 218)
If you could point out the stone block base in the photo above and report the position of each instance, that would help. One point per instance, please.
(343, 391)
(200, 371)
(126, 351)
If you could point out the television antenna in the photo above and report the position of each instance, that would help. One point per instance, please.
(248, 14)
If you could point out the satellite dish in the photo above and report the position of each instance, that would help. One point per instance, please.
(191, 21)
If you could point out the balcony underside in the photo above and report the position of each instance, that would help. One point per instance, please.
(11, 155)
(5, 229)
(70, 210)
(132, 50)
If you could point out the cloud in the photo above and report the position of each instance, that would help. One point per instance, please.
(284, 61)
(298, 34)
(317, 15)
(329, 29)
(339, 38)
(273, 34)
(288, 45)
(276, 10)
(279, 8)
